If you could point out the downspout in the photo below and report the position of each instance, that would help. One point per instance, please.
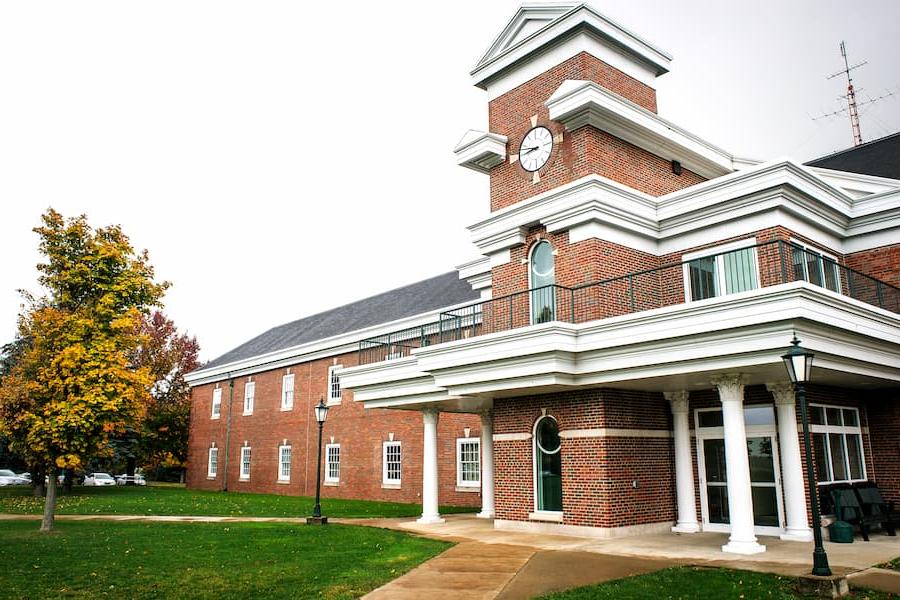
(228, 432)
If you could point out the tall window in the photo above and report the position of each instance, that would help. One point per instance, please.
(332, 463)
(245, 462)
(818, 269)
(284, 463)
(391, 466)
(837, 443)
(213, 464)
(334, 385)
(542, 277)
(217, 403)
(468, 462)
(287, 392)
(721, 272)
(548, 465)
(249, 394)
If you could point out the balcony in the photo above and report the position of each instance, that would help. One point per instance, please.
(742, 269)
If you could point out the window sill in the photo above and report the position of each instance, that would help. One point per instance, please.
(286, 408)
(468, 488)
(546, 515)
(331, 483)
(243, 479)
(247, 414)
(208, 478)
(283, 481)
(215, 417)
(390, 486)
(332, 403)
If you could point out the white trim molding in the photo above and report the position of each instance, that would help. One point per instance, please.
(480, 151)
(605, 432)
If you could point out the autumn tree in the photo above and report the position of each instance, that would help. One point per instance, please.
(75, 385)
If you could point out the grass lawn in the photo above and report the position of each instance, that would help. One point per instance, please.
(690, 583)
(152, 500)
(892, 564)
(203, 560)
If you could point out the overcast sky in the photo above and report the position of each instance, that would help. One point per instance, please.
(281, 158)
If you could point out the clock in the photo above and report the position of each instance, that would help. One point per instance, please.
(535, 148)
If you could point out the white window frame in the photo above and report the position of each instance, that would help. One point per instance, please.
(329, 448)
(384, 464)
(822, 255)
(212, 464)
(840, 429)
(249, 397)
(719, 252)
(245, 462)
(287, 392)
(460, 442)
(281, 475)
(332, 399)
(216, 408)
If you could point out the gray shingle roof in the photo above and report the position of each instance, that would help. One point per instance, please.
(421, 297)
(879, 157)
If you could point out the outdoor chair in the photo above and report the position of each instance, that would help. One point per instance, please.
(876, 507)
(848, 509)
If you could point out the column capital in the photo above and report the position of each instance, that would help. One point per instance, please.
(430, 411)
(782, 391)
(730, 386)
(678, 400)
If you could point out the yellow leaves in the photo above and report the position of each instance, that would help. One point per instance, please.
(68, 461)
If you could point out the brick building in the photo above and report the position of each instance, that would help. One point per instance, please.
(611, 364)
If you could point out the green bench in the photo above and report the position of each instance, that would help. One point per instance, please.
(874, 505)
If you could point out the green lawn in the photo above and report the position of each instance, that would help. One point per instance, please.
(691, 583)
(152, 500)
(892, 564)
(203, 560)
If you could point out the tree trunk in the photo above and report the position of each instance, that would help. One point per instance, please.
(38, 488)
(181, 476)
(49, 503)
(130, 464)
(67, 480)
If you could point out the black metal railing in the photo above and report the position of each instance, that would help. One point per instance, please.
(743, 269)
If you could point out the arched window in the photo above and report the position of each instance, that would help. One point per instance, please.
(542, 280)
(547, 465)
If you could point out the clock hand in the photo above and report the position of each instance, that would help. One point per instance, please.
(532, 149)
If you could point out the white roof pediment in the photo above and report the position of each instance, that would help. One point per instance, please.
(530, 17)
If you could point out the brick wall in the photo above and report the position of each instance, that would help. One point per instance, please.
(581, 152)
(881, 263)
(360, 433)
(606, 481)
(883, 419)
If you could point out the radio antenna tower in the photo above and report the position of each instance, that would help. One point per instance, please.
(851, 94)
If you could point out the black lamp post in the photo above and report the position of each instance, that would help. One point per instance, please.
(321, 411)
(798, 362)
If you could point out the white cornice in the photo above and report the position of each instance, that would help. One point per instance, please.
(856, 184)
(635, 51)
(578, 104)
(481, 151)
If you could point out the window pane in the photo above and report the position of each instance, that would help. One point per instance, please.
(851, 418)
(814, 267)
(834, 416)
(740, 270)
(832, 278)
(821, 457)
(854, 450)
(702, 273)
(710, 418)
(817, 415)
(838, 457)
(799, 264)
(759, 415)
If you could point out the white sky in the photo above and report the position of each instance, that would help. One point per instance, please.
(281, 158)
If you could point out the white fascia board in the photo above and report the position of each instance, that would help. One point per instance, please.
(474, 267)
(577, 104)
(339, 344)
(481, 151)
(856, 184)
(643, 56)
(541, 12)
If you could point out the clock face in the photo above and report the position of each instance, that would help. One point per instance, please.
(535, 149)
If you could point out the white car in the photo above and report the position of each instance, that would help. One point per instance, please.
(7, 477)
(99, 479)
(138, 479)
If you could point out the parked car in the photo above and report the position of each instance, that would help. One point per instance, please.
(25, 475)
(99, 479)
(137, 478)
(7, 477)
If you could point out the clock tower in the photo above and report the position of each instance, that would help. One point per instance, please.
(572, 102)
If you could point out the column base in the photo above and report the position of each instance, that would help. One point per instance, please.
(735, 547)
(423, 520)
(686, 528)
(797, 535)
(486, 514)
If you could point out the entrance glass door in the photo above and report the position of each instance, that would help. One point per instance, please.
(760, 452)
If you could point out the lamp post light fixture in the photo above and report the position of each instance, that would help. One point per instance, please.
(798, 362)
(321, 411)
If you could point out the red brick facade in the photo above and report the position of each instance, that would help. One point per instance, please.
(359, 432)
(582, 152)
(881, 263)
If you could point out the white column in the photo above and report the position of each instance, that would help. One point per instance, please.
(737, 467)
(487, 465)
(684, 471)
(430, 512)
(791, 465)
